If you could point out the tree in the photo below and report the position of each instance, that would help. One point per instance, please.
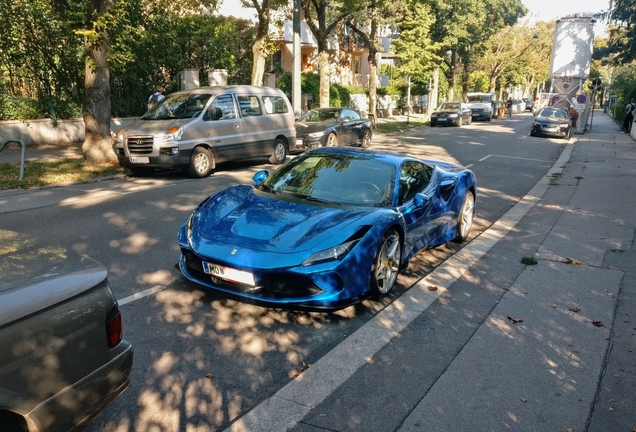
(95, 21)
(322, 18)
(261, 47)
(371, 18)
(622, 41)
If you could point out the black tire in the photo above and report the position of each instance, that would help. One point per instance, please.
(465, 218)
(366, 139)
(433, 124)
(280, 152)
(332, 140)
(141, 171)
(201, 163)
(386, 264)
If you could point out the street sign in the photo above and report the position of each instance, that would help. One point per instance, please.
(581, 99)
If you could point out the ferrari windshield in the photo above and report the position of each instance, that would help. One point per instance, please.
(178, 106)
(335, 178)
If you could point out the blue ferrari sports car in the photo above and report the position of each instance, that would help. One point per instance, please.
(329, 228)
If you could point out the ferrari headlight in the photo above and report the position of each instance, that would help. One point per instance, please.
(316, 134)
(173, 134)
(331, 254)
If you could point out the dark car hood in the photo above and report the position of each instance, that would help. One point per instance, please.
(245, 217)
(302, 129)
(35, 275)
(446, 112)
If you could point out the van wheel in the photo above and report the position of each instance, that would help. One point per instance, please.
(280, 152)
(138, 171)
(201, 163)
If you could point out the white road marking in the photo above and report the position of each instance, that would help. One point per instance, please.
(142, 294)
(293, 402)
(512, 157)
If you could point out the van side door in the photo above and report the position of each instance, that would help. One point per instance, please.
(258, 139)
(224, 133)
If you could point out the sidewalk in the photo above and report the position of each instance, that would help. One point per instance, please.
(550, 349)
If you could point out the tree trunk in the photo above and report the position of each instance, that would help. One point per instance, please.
(323, 67)
(258, 67)
(98, 142)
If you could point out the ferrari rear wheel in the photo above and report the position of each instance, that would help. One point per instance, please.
(465, 221)
(332, 140)
(386, 264)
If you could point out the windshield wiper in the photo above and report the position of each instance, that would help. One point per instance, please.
(310, 198)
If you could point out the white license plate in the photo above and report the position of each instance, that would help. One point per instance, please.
(139, 160)
(299, 143)
(229, 273)
(441, 119)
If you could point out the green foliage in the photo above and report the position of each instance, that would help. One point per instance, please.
(339, 95)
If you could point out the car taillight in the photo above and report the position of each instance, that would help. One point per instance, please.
(114, 330)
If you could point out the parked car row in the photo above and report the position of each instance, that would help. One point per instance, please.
(196, 129)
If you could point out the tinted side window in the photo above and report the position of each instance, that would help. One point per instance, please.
(275, 104)
(249, 106)
(414, 177)
(226, 104)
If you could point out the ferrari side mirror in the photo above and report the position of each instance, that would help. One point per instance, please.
(260, 177)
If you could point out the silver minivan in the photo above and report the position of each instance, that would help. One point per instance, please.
(197, 128)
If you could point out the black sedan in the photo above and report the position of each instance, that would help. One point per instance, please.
(452, 113)
(332, 127)
(554, 122)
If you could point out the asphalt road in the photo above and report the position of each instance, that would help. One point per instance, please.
(201, 360)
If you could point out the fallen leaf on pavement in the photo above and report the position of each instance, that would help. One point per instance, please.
(554, 305)
(597, 323)
(575, 310)
(524, 400)
(209, 375)
(515, 320)
(432, 288)
(572, 261)
(611, 409)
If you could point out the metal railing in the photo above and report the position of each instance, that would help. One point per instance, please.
(23, 153)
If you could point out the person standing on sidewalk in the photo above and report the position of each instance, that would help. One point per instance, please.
(509, 107)
(156, 97)
(629, 116)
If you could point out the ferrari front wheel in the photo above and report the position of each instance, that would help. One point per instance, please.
(386, 264)
(465, 220)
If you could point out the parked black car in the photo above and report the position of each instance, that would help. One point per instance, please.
(553, 122)
(332, 127)
(452, 113)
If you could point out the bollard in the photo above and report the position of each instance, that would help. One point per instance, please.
(23, 153)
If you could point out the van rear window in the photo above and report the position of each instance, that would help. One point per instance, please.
(275, 104)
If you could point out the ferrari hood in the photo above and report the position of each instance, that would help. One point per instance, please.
(243, 217)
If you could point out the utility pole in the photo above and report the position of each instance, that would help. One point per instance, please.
(296, 57)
